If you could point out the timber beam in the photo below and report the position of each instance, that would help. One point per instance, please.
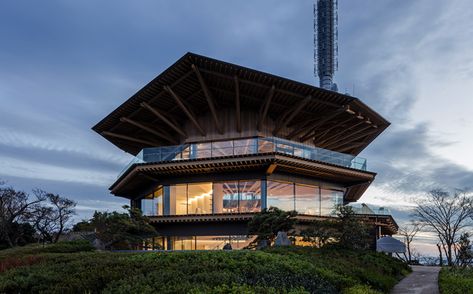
(128, 138)
(160, 134)
(163, 118)
(237, 104)
(290, 114)
(209, 97)
(265, 107)
(187, 111)
(352, 137)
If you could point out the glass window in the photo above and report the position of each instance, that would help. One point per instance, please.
(199, 197)
(250, 196)
(307, 199)
(281, 195)
(152, 204)
(225, 197)
(183, 243)
(329, 201)
(147, 205)
(178, 200)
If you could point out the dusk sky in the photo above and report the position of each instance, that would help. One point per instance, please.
(64, 65)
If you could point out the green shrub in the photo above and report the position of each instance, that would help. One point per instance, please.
(456, 280)
(360, 289)
(279, 270)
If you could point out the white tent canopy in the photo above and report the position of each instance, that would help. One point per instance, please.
(390, 245)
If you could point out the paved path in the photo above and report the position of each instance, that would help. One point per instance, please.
(422, 280)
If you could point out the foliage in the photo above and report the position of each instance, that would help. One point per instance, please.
(347, 267)
(52, 219)
(20, 234)
(266, 224)
(113, 228)
(465, 253)
(360, 289)
(47, 213)
(446, 214)
(16, 207)
(347, 231)
(321, 232)
(456, 280)
(276, 270)
(353, 232)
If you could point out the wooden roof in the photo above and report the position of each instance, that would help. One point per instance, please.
(155, 115)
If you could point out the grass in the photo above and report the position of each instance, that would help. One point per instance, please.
(456, 280)
(281, 270)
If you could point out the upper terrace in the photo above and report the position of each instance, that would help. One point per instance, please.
(245, 147)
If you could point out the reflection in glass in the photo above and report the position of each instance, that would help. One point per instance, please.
(222, 148)
(329, 201)
(246, 146)
(281, 195)
(152, 204)
(307, 199)
(183, 243)
(250, 196)
(225, 197)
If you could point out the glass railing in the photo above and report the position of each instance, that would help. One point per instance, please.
(245, 147)
(370, 210)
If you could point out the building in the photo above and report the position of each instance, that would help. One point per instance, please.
(216, 143)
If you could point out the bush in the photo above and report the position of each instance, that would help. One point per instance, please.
(278, 270)
(456, 280)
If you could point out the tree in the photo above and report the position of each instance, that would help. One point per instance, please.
(52, 217)
(465, 253)
(266, 225)
(447, 215)
(16, 207)
(353, 233)
(321, 233)
(408, 232)
(114, 227)
(63, 210)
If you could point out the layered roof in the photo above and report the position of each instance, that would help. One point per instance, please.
(156, 114)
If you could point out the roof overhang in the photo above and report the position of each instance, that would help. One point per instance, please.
(155, 115)
(385, 222)
(142, 175)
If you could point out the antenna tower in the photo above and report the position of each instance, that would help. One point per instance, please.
(326, 42)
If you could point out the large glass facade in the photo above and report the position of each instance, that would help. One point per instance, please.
(152, 204)
(244, 196)
(281, 195)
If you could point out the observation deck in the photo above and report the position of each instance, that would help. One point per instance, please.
(245, 147)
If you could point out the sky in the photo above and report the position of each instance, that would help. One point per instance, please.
(64, 65)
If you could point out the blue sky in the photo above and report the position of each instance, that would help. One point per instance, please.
(65, 64)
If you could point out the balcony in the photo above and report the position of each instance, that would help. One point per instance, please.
(245, 147)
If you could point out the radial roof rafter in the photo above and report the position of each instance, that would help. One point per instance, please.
(194, 83)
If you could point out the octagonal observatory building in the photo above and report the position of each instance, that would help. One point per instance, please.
(215, 143)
